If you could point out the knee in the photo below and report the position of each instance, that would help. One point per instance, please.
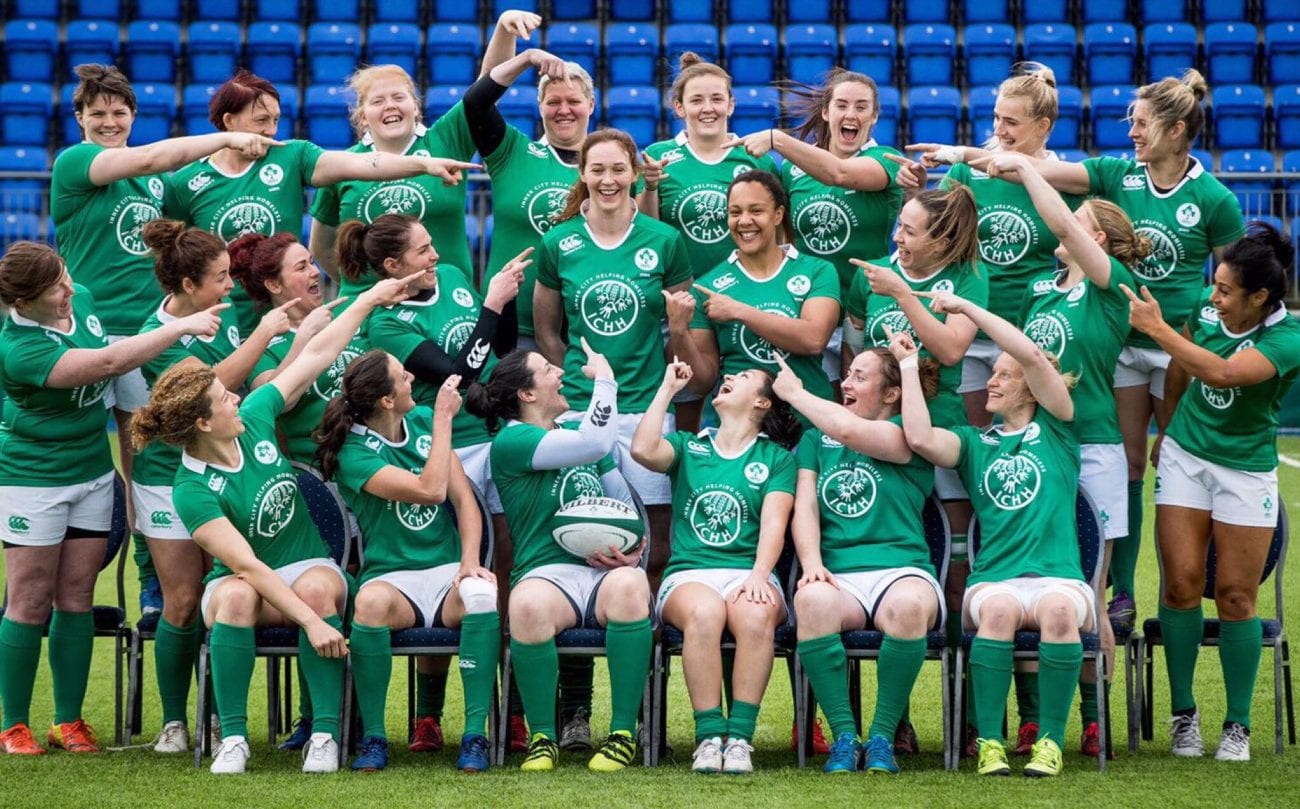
(1183, 589)
(751, 621)
(1137, 467)
(317, 592)
(999, 617)
(1057, 619)
(906, 613)
(627, 584)
(373, 606)
(1235, 603)
(705, 617)
(478, 595)
(31, 603)
(238, 603)
(527, 613)
(179, 607)
(817, 606)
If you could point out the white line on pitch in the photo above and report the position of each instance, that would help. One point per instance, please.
(1288, 460)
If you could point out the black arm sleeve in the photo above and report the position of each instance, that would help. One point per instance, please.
(506, 338)
(431, 365)
(486, 126)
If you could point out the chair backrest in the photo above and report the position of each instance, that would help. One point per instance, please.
(327, 512)
(1087, 525)
(1273, 565)
(938, 537)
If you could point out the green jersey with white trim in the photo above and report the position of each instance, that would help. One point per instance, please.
(156, 464)
(1023, 487)
(116, 268)
(800, 278)
(399, 536)
(440, 208)
(693, 196)
(530, 187)
(718, 500)
(259, 496)
(1237, 427)
(1185, 224)
(530, 497)
(447, 318)
(842, 223)
(266, 198)
(51, 436)
(613, 297)
(1085, 327)
(879, 311)
(300, 421)
(1015, 243)
(870, 509)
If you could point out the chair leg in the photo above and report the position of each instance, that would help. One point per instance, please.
(272, 698)
(201, 708)
(132, 684)
(503, 724)
(410, 697)
(345, 713)
(801, 719)
(647, 718)
(1148, 692)
(121, 644)
(659, 703)
(1103, 713)
(1290, 703)
(1132, 692)
(949, 723)
(958, 704)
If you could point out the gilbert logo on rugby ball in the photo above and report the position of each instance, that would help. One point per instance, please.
(590, 525)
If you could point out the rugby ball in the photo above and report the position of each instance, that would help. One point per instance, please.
(590, 525)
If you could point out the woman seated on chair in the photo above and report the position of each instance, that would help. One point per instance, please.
(395, 468)
(1217, 469)
(1023, 477)
(238, 497)
(733, 489)
(858, 532)
(539, 467)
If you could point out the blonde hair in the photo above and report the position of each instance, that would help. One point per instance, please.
(574, 73)
(1170, 101)
(692, 66)
(178, 400)
(953, 216)
(364, 80)
(1036, 83)
(1122, 240)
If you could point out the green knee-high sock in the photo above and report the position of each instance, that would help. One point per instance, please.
(1124, 556)
(1059, 665)
(710, 724)
(72, 641)
(324, 681)
(576, 675)
(372, 669)
(627, 647)
(480, 649)
(827, 668)
(1240, 644)
(304, 697)
(743, 720)
(430, 693)
(1182, 630)
(899, 664)
(537, 671)
(143, 559)
(233, 655)
(1027, 696)
(175, 650)
(991, 664)
(20, 653)
(1089, 708)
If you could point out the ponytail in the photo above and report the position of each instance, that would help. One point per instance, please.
(779, 422)
(954, 217)
(363, 247)
(497, 399)
(1261, 260)
(365, 382)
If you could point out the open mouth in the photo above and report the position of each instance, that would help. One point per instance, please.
(849, 132)
(314, 289)
(748, 235)
(725, 389)
(392, 120)
(610, 194)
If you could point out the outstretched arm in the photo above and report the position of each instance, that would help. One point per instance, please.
(874, 437)
(112, 165)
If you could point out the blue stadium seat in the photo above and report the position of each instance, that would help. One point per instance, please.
(635, 110)
(158, 11)
(933, 114)
(749, 11)
(347, 10)
(1069, 122)
(333, 50)
(34, 9)
(681, 37)
(151, 50)
(1152, 11)
(273, 49)
(1282, 51)
(17, 194)
(983, 100)
(756, 108)
(1277, 11)
(1109, 110)
(990, 11)
(676, 13)
(155, 112)
(25, 112)
(91, 42)
(30, 49)
(1041, 11)
(891, 110)
(990, 52)
(632, 11)
(499, 7)
(1230, 53)
(395, 11)
(1108, 52)
(194, 109)
(573, 9)
(325, 115)
(1291, 165)
(1238, 116)
(1170, 49)
(454, 51)
(1255, 196)
(631, 52)
(209, 10)
(918, 11)
(1203, 157)
(810, 51)
(17, 227)
(95, 10)
(1286, 117)
(276, 11)
(441, 98)
(815, 11)
(867, 11)
(1103, 11)
(396, 43)
(213, 51)
(1222, 11)
(929, 52)
(751, 53)
(1053, 44)
(575, 42)
(71, 130)
(1072, 155)
(444, 11)
(288, 112)
(871, 49)
(519, 107)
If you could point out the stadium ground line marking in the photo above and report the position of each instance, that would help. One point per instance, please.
(1288, 460)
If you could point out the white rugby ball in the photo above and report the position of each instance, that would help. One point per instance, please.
(590, 525)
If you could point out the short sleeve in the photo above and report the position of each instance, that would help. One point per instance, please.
(1225, 224)
(196, 505)
(676, 440)
(269, 360)
(261, 408)
(453, 129)
(1104, 175)
(766, 163)
(966, 435)
(825, 281)
(700, 320)
(357, 465)
(1281, 346)
(959, 173)
(784, 473)
(679, 268)
(31, 360)
(325, 207)
(512, 450)
(394, 336)
(548, 269)
(805, 454)
(71, 171)
(175, 198)
(170, 355)
(306, 158)
(973, 286)
(891, 168)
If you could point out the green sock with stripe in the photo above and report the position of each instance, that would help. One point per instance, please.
(480, 649)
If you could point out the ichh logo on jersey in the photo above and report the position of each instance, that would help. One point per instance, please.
(1013, 481)
(716, 516)
(610, 305)
(703, 214)
(849, 490)
(1005, 236)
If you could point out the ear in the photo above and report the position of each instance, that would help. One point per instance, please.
(731, 104)
(227, 121)
(679, 109)
(274, 286)
(1258, 298)
(527, 396)
(188, 286)
(391, 266)
(892, 395)
(203, 425)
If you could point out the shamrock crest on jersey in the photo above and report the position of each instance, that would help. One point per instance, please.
(610, 305)
(156, 187)
(1009, 235)
(423, 445)
(826, 225)
(1188, 214)
(1012, 482)
(703, 215)
(543, 204)
(396, 197)
(850, 490)
(715, 517)
(271, 174)
(265, 452)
